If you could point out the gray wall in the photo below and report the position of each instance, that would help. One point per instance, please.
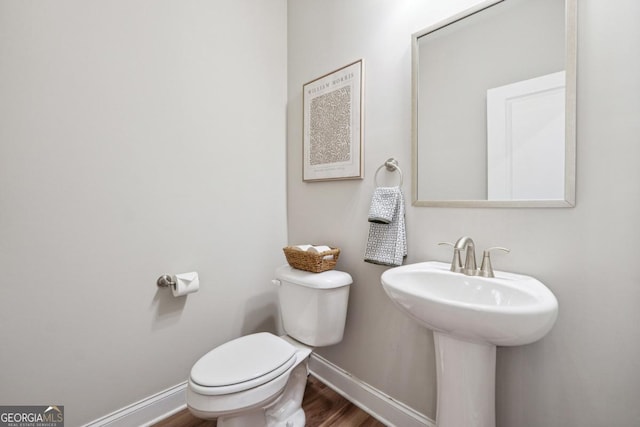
(586, 372)
(136, 138)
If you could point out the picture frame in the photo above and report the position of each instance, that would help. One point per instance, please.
(332, 125)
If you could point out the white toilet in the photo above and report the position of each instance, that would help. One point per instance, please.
(259, 379)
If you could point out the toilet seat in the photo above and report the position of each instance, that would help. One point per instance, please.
(233, 367)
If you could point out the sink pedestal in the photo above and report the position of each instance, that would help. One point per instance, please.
(466, 379)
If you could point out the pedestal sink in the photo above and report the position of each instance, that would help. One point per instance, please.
(470, 316)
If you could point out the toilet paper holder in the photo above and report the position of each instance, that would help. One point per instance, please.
(166, 281)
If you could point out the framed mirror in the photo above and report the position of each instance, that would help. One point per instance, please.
(494, 91)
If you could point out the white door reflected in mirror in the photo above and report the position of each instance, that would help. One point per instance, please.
(525, 139)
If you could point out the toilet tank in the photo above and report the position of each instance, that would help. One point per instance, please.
(313, 306)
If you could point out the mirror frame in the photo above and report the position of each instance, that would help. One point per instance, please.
(570, 118)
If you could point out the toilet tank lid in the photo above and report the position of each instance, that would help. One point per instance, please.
(326, 280)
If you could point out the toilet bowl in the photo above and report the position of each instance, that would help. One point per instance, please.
(239, 389)
(259, 379)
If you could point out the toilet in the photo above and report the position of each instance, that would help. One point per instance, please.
(259, 379)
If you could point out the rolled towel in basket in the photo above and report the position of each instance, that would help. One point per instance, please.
(319, 250)
(387, 243)
(315, 249)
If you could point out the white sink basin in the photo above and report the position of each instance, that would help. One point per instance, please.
(507, 310)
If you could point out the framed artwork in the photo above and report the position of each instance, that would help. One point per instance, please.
(332, 125)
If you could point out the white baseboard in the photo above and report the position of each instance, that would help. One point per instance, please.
(387, 410)
(371, 400)
(147, 411)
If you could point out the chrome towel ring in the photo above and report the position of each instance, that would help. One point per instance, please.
(392, 165)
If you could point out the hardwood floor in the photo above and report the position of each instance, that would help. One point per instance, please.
(323, 407)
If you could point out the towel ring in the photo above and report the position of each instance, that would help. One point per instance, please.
(392, 165)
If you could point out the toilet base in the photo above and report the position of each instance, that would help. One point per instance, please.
(258, 419)
(247, 419)
(284, 411)
(287, 411)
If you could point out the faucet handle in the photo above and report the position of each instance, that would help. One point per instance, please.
(456, 262)
(486, 269)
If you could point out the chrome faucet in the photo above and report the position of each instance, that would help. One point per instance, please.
(470, 267)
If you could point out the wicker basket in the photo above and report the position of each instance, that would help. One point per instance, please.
(311, 261)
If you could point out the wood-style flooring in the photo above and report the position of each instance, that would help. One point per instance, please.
(322, 406)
